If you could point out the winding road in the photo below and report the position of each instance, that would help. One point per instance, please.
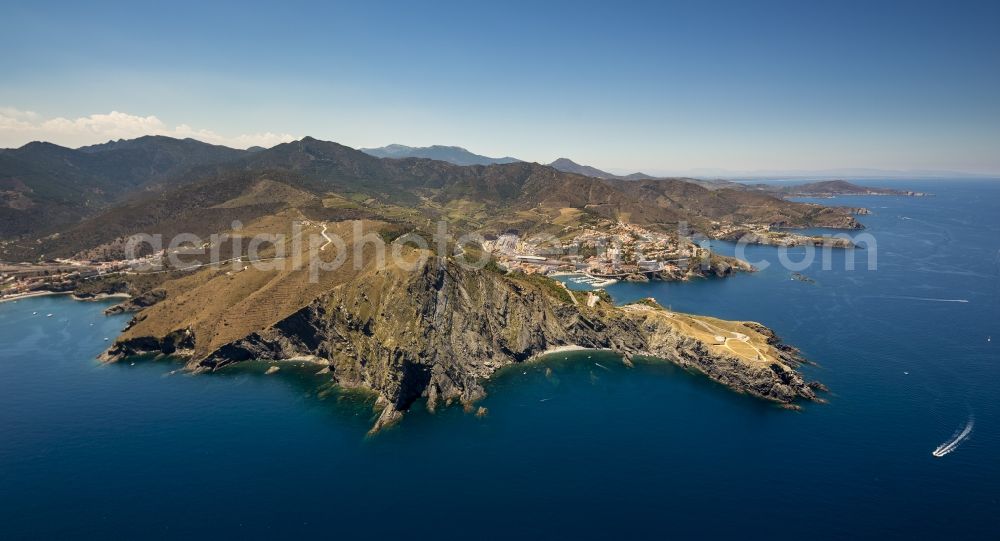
(325, 236)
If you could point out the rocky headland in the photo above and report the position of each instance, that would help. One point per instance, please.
(439, 331)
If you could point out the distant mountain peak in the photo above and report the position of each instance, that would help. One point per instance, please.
(567, 165)
(396, 147)
(451, 154)
(39, 144)
(560, 162)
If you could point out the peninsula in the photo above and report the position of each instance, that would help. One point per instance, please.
(438, 331)
(829, 188)
(433, 327)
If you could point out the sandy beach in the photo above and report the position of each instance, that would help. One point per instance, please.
(32, 295)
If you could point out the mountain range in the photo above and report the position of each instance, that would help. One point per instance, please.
(435, 330)
(569, 166)
(43, 185)
(206, 190)
(47, 189)
(450, 154)
(708, 177)
(461, 156)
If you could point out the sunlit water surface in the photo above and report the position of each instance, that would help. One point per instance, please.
(589, 448)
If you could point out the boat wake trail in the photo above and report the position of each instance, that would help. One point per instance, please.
(955, 440)
(923, 299)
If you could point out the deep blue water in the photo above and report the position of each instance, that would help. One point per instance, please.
(90, 450)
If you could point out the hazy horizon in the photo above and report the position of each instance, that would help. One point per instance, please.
(653, 88)
(702, 173)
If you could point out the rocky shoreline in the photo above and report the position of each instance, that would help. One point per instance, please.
(439, 332)
(782, 238)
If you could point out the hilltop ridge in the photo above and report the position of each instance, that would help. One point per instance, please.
(488, 199)
(44, 186)
(451, 154)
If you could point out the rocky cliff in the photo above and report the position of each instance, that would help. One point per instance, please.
(440, 330)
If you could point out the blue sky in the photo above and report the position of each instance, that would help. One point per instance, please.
(658, 87)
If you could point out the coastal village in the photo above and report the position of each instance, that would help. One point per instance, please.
(19, 280)
(599, 255)
(609, 251)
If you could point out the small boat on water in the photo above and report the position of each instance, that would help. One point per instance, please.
(956, 440)
(48, 315)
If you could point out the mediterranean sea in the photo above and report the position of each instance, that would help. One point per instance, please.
(574, 446)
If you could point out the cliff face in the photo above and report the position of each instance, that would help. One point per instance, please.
(440, 330)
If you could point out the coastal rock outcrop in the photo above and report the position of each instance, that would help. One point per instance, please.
(439, 331)
(137, 303)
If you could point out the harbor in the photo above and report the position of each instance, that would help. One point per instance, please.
(582, 281)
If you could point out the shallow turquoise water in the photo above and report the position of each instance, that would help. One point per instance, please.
(88, 450)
